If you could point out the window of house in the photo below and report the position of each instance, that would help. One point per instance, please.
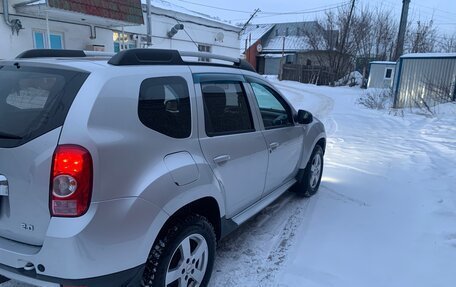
(38, 38)
(226, 109)
(275, 112)
(287, 31)
(388, 73)
(204, 48)
(41, 41)
(123, 41)
(164, 106)
(277, 32)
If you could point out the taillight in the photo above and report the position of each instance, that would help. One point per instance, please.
(71, 181)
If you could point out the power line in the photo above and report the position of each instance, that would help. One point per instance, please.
(214, 7)
(314, 10)
(436, 9)
(302, 12)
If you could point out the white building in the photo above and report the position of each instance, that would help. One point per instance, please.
(381, 74)
(110, 32)
(200, 32)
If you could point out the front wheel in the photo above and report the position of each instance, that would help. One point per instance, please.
(183, 257)
(310, 181)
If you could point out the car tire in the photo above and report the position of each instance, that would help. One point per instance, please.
(310, 181)
(183, 254)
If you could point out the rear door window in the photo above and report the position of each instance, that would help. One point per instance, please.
(226, 109)
(34, 101)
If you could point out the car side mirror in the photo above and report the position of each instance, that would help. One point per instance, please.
(304, 117)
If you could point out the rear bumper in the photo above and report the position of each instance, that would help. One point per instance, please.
(131, 277)
(111, 242)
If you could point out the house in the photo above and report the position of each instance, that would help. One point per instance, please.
(112, 26)
(268, 46)
(425, 80)
(63, 24)
(175, 27)
(381, 74)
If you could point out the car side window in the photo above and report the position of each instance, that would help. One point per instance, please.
(275, 112)
(164, 106)
(226, 108)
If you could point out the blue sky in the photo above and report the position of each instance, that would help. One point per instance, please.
(443, 12)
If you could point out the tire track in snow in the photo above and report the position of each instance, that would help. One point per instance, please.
(278, 256)
(299, 99)
(323, 111)
(260, 260)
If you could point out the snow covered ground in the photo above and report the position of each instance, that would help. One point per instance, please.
(385, 214)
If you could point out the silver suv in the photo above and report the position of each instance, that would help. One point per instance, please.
(126, 170)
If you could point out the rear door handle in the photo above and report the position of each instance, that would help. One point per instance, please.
(222, 159)
(3, 186)
(273, 146)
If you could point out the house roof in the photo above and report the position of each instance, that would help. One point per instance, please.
(292, 43)
(72, 10)
(294, 34)
(382, 63)
(428, 55)
(254, 32)
(165, 5)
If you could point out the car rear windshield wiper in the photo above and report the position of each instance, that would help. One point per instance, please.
(9, 136)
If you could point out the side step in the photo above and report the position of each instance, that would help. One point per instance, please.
(260, 205)
(3, 279)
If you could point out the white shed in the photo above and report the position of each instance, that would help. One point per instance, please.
(381, 74)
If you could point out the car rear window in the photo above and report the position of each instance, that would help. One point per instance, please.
(34, 101)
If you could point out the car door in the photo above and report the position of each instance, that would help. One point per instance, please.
(283, 138)
(231, 140)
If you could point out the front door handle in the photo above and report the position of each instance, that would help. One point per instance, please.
(273, 146)
(222, 159)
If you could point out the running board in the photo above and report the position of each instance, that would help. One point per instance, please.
(261, 204)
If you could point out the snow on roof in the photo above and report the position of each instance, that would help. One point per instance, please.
(429, 55)
(383, 63)
(292, 43)
(165, 5)
(255, 32)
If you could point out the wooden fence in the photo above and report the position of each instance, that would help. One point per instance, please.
(306, 74)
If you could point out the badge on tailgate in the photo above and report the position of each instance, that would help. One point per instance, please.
(3, 186)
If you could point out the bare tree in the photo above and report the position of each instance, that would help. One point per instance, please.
(422, 37)
(384, 30)
(364, 40)
(447, 44)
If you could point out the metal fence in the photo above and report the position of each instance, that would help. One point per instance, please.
(307, 74)
(425, 82)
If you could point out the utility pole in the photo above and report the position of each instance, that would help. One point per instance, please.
(149, 24)
(250, 19)
(344, 39)
(402, 27)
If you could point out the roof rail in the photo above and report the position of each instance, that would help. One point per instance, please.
(54, 53)
(51, 53)
(135, 57)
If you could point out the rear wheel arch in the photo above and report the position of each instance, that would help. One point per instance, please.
(207, 207)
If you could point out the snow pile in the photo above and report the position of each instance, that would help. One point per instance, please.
(353, 79)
